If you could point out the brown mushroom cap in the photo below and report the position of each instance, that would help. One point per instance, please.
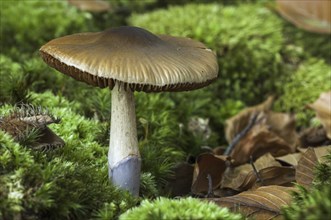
(139, 59)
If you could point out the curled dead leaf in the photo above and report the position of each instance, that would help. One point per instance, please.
(271, 132)
(263, 203)
(208, 164)
(305, 169)
(281, 176)
(314, 137)
(237, 123)
(310, 15)
(241, 178)
(91, 5)
(322, 107)
(180, 183)
(259, 141)
(290, 159)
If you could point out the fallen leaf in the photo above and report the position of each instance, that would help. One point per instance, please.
(208, 164)
(241, 178)
(180, 183)
(314, 16)
(314, 137)
(322, 107)
(305, 169)
(237, 123)
(290, 159)
(91, 5)
(27, 118)
(259, 141)
(271, 132)
(263, 203)
(281, 176)
(321, 152)
(283, 125)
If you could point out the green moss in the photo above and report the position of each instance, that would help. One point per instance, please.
(304, 87)
(13, 84)
(40, 21)
(249, 50)
(313, 44)
(70, 182)
(188, 208)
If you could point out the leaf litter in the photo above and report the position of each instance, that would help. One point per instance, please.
(265, 159)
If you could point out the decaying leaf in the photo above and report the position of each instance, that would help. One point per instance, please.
(91, 5)
(305, 169)
(321, 152)
(180, 183)
(263, 203)
(311, 15)
(25, 119)
(281, 176)
(237, 123)
(208, 164)
(259, 141)
(271, 132)
(314, 137)
(284, 126)
(322, 106)
(242, 177)
(290, 159)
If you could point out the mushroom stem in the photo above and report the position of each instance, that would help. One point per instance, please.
(123, 156)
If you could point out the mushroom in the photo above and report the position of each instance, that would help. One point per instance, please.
(128, 59)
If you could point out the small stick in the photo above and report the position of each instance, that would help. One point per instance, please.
(241, 134)
(210, 186)
(258, 177)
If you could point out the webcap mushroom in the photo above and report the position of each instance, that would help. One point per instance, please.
(128, 59)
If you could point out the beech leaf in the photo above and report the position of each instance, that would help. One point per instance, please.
(241, 178)
(290, 159)
(322, 106)
(180, 183)
(208, 164)
(305, 169)
(259, 141)
(237, 123)
(314, 16)
(263, 203)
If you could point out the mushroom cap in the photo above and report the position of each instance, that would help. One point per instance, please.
(135, 57)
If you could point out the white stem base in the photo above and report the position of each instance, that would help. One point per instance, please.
(123, 156)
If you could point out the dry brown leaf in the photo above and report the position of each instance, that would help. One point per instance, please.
(263, 203)
(314, 137)
(237, 123)
(321, 152)
(310, 15)
(290, 159)
(242, 177)
(272, 132)
(305, 169)
(91, 5)
(208, 164)
(284, 126)
(322, 107)
(180, 183)
(281, 176)
(259, 141)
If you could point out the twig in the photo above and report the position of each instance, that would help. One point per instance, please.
(241, 134)
(258, 177)
(210, 186)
